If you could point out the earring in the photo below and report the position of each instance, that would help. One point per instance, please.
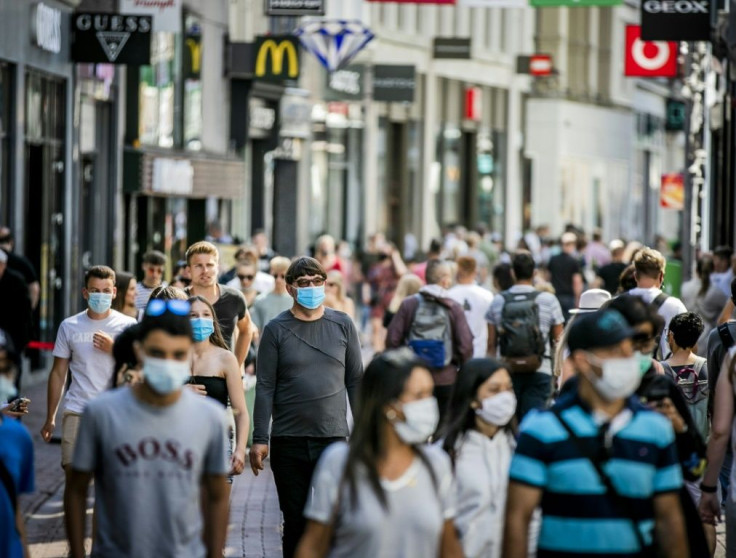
(391, 415)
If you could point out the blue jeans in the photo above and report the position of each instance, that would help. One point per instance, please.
(533, 391)
(725, 475)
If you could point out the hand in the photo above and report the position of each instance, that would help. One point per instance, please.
(17, 408)
(237, 462)
(103, 342)
(258, 452)
(48, 430)
(199, 389)
(709, 508)
(668, 409)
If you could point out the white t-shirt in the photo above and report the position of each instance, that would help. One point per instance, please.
(91, 369)
(264, 283)
(669, 309)
(475, 301)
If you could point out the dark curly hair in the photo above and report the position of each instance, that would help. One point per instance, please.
(686, 328)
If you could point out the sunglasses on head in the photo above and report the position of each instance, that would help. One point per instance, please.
(157, 307)
(248, 277)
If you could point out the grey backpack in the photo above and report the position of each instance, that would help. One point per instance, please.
(430, 334)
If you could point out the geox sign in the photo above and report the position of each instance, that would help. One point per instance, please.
(111, 38)
(675, 20)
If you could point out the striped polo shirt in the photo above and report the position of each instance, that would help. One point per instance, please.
(578, 517)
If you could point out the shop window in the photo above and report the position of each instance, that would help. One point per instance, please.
(157, 93)
(192, 62)
(5, 91)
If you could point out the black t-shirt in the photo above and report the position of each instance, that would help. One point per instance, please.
(610, 274)
(562, 267)
(15, 317)
(22, 265)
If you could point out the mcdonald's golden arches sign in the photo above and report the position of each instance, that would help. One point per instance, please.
(277, 58)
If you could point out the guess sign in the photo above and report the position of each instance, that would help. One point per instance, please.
(111, 38)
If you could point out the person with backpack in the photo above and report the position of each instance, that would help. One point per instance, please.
(523, 326)
(435, 328)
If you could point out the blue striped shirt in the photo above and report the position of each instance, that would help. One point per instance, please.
(578, 517)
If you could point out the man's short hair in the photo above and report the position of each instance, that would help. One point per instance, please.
(649, 263)
(304, 266)
(466, 265)
(523, 265)
(154, 257)
(279, 264)
(202, 247)
(435, 270)
(723, 252)
(99, 272)
(686, 328)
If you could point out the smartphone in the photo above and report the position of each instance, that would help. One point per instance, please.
(17, 405)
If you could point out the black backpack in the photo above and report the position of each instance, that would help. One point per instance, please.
(520, 336)
(724, 333)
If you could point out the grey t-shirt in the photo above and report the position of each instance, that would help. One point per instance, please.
(417, 507)
(268, 306)
(303, 371)
(148, 464)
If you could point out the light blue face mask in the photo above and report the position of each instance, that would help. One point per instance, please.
(645, 362)
(165, 376)
(202, 328)
(99, 303)
(7, 389)
(310, 297)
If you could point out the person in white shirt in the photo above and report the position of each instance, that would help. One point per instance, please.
(84, 348)
(475, 301)
(479, 438)
(649, 267)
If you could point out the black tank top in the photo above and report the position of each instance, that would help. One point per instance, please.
(216, 387)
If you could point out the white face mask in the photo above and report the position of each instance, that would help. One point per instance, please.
(421, 420)
(620, 377)
(165, 376)
(498, 409)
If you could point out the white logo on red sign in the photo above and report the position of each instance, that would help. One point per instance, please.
(649, 58)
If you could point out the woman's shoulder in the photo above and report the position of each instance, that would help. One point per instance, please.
(437, 457)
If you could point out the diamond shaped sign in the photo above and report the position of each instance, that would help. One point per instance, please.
(334, 42)
(112, 43)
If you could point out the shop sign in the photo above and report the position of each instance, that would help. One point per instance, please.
(276, 58)
(102, 38)
(449, 48)
(473, 103)
(492, 3)
(675, 20)
(675, 116)
(166, 13)
(296, 114)
(261, 118)
(172, 176)
(672, 191)
(46, 28)
(648, 58)
(394, 84)
(295, 7)
(572, 3)
(346, 84)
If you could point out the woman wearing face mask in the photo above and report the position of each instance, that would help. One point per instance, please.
(385, 493)
(479, 438)
(216, 374)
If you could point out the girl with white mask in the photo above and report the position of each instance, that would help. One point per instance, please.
(385, 493)
(479, 437)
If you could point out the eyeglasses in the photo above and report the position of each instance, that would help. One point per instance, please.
(248, 277)
(316, 282)
(157, 307)
(278, 275)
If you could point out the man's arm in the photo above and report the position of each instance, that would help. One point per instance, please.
(521, 502)
(555, 332)
(399, 326)
(577, 287)
(670, 526)
(461, 334)
(75, 510)
(491, 351)
(215, 514)
(57, 380)
(34, 292)
(266, 372)
(353, 364)
(245, 336)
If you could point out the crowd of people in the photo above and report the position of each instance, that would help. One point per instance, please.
(557, 399)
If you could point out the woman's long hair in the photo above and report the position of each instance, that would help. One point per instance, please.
(122, 282)
(383, 383)
(216, 338)
(704, 268)
(461, 417)
(336, 277)
(409, 285)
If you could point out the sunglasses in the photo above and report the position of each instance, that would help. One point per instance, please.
(331, 284)
(248, 277)
(303, 283)
(157, 307)
(642, 338)
(278, 275)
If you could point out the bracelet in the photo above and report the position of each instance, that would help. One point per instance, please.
(708, 489)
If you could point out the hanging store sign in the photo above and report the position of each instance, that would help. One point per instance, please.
(649, 58)
(394, 84)
(295, 7)
(111, 38)
(446, 2)
(451, 48)
(172, 176)
(675, 20)
(166, 14)
(346, 84)
(46, 28)
(672, 191)
(276, 58)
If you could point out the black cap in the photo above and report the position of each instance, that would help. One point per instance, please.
(603, 328)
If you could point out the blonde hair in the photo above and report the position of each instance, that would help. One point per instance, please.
(202, 247)
(649, 263)
(279, 264)
(409, 285)
(336, 277)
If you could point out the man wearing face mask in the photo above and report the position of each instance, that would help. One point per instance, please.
(602, 466)
(84, 348)
(308, 360)
(157, 455)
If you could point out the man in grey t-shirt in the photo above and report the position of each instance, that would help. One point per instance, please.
(156, 452)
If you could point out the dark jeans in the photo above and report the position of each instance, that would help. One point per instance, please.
(293, 461)
(567, 303)
(532, 390)
(442, 394)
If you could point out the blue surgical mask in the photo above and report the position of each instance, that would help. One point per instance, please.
(99, 302)
(202, 328)
(7, 389)
(165, 376)
(310, 297)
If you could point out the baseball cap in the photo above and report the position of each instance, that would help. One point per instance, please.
(568, 238)
(601, 328)
(591, 300)
(616, 244)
